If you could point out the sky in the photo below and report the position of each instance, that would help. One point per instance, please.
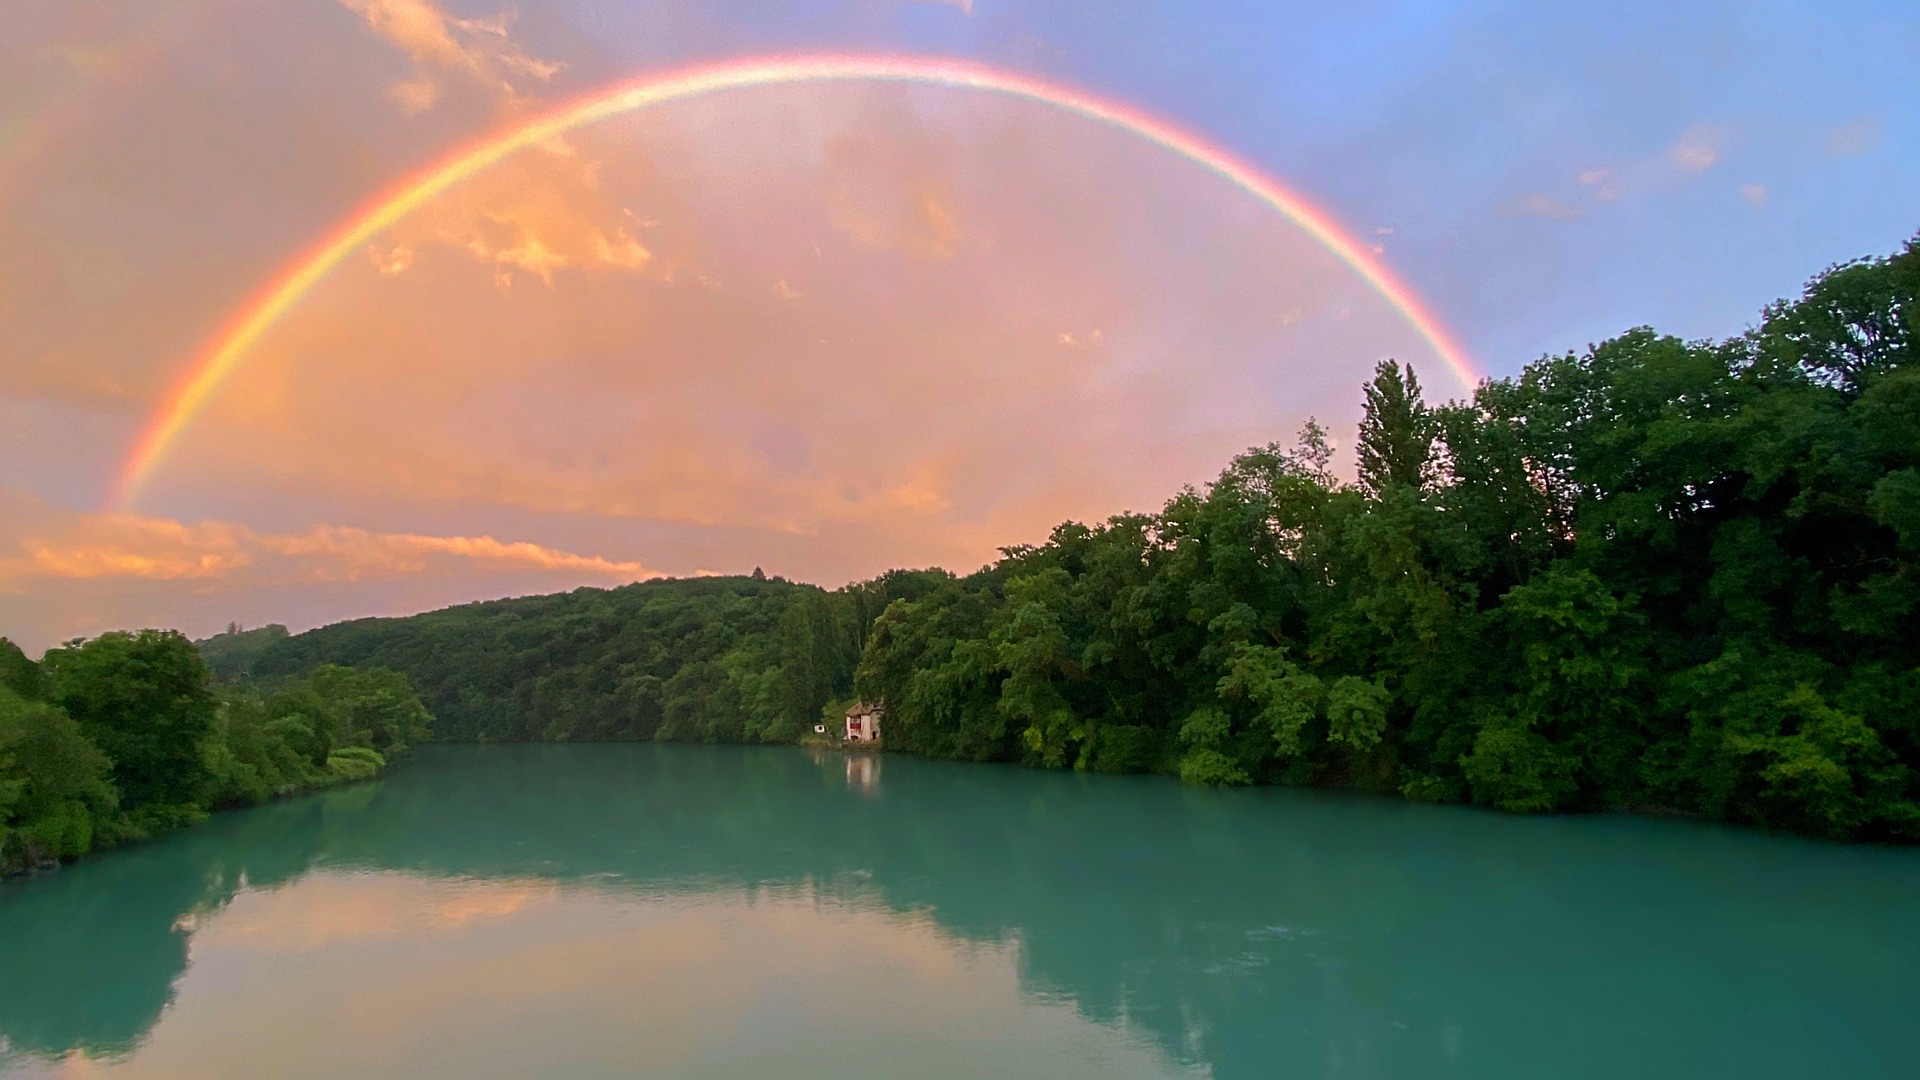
(831, 328)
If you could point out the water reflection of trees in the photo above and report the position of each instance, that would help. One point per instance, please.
(1248, 931)
(92, 951)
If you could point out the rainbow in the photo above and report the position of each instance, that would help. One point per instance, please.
(230, 346)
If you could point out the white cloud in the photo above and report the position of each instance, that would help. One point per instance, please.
(397, 259)
(1698, 150)
(479, 50)
(1602, 183)
(67, 573)
(1540, 204)
(77, 546)
(1855, 138)
(538, 213)
(415, 95)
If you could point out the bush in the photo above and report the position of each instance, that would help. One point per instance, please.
(1127, 749)
(1211, 768)
(350, 763)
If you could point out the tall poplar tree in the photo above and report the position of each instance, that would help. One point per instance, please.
(1396, 430)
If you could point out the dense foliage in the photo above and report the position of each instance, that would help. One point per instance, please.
(736, 659)
(114, 738)
(1660, 574)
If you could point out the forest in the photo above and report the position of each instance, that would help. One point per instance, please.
(716, 659)
(1659, 575)
(126, 735)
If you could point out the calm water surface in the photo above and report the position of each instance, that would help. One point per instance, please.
(731, 912)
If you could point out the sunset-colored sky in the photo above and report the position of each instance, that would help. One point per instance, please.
(829, 327)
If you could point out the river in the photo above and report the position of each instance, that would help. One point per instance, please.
(637, 910)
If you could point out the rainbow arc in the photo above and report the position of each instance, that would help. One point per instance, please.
(230, 347)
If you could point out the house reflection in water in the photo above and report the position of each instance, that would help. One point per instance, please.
(863, 773)
(862, 768)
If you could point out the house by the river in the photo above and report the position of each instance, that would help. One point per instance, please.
(863, 722)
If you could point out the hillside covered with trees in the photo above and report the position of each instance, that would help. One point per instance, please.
(717, 659)
(1660, 574)
(125, 735)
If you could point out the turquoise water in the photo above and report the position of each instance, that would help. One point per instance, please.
(723, 912)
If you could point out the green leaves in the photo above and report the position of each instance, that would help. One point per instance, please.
(1032, 648)
(1396, 431)
(144, 699)
(1514, 768)
(1823, 770)
(353, 763)
(1206, 767)
(1205, 731)
(1854, 323)
(1895, 503)
(178, 749)
(19, 674)
(1356, 712)
(1286, 699)
(55, 795)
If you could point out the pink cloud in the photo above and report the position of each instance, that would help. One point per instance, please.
(478, 50)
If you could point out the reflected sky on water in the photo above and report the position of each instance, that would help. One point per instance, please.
(691, 911)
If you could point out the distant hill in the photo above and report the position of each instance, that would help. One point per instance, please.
(715, 659)
(235, 652)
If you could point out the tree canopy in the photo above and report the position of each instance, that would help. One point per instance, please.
(134, 737)
(1658, 574)
(721, 659)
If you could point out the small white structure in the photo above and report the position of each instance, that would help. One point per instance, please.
(863, 723)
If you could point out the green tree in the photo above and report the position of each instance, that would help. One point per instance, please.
(55, 795)
(20, 674)
(1034, 651)
(1396, 430)
(144, 699)
(371, 707)
(1513, 767)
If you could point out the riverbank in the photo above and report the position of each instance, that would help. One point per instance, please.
(842, 746)
(127, 833)
(123, 737)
